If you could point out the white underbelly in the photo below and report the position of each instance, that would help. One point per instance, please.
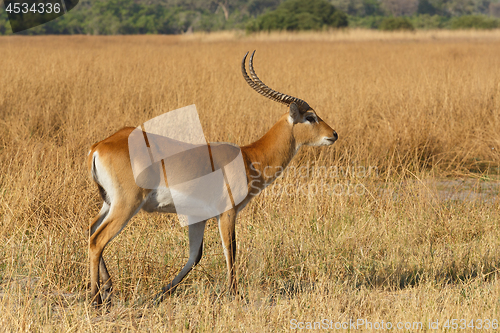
(160, 200)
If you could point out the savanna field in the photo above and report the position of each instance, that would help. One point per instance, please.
(398, 221)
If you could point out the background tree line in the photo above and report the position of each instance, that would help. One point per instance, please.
(108, 17)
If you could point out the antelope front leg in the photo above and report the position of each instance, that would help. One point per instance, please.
(196, 232)
(227, 223)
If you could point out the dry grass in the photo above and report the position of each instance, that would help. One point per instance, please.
(337, 35)
(414, 109)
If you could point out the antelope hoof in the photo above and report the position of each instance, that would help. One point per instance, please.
(160, 297)
(106, 296)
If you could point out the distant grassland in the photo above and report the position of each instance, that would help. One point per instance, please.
(413, 108)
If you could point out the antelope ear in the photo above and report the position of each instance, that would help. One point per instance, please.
(294, 112)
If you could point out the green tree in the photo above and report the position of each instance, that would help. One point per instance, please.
(300, 15)
(372, 7)
(257, 7)
(425, 7)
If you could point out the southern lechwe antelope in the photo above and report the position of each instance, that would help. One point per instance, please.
(110, 167)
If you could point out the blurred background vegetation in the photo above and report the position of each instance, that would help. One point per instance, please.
(111, 17)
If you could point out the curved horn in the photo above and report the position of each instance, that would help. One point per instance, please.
(264, 90)
(247, 78)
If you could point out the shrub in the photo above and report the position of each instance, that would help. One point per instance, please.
(339, 19)
(300, 15)
(426, 21)
(474, 22)
(396, 23)
(367, 22)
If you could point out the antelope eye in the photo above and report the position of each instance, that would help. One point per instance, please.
(311, 119)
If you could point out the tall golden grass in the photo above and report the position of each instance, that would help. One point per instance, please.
(396, 244)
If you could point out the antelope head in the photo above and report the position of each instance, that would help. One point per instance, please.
(308, 128)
